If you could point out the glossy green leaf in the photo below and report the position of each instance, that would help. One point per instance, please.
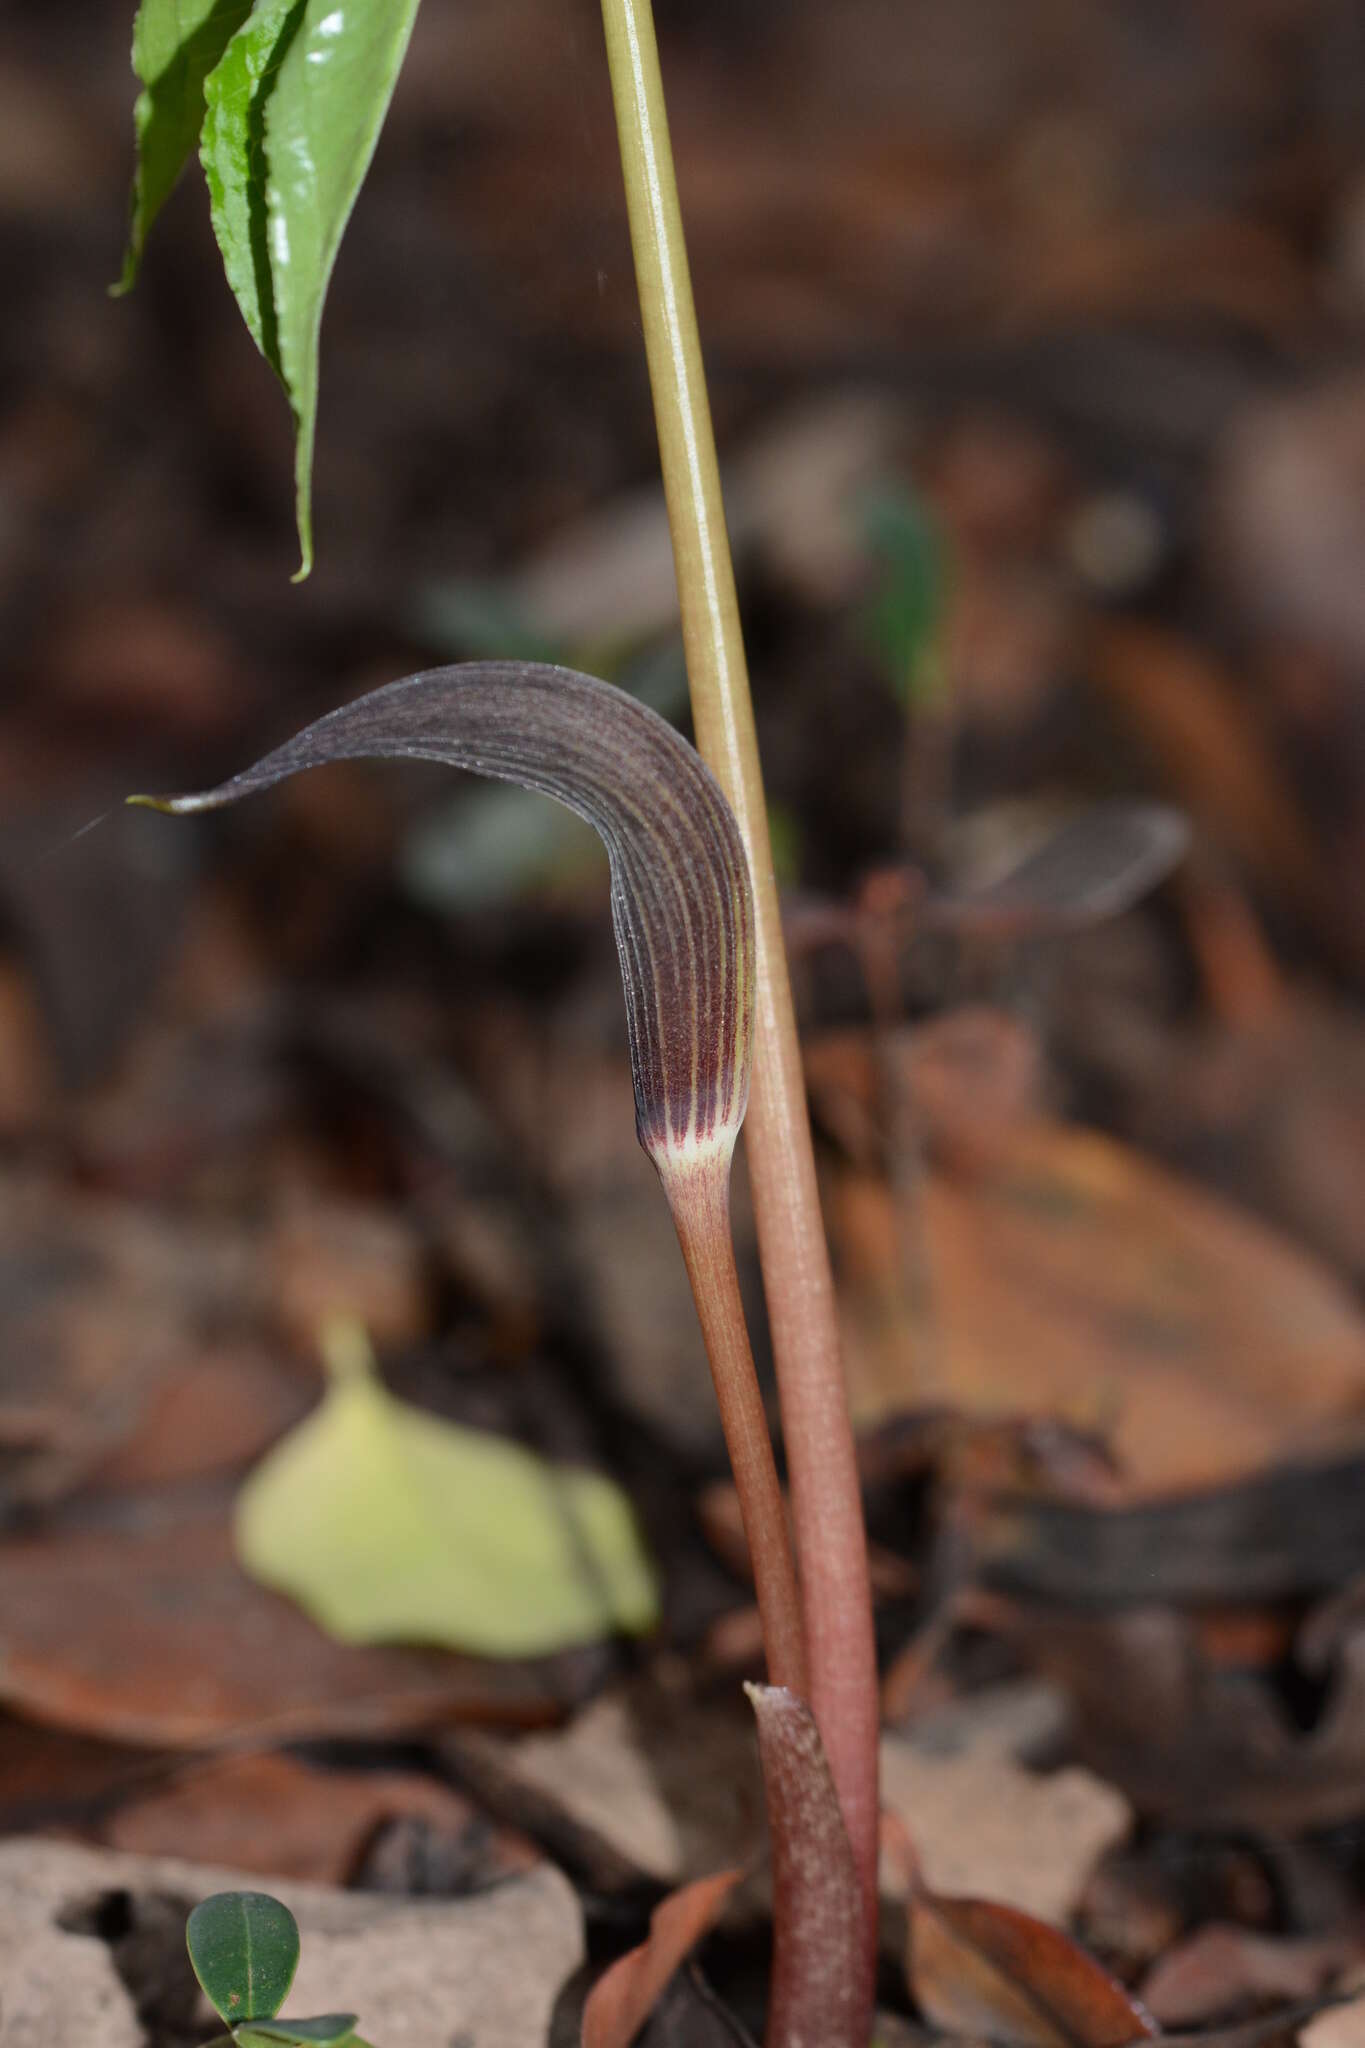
(176, 43)
(321, 127)
(232, 150)
(391, 1525)
(292, 116)
(245, 1949)
(330, 2030)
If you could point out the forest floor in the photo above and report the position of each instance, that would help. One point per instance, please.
(1036, 344)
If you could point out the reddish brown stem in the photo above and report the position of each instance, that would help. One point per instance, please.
(698, 1191)
(826, 1502)
(817, 1908)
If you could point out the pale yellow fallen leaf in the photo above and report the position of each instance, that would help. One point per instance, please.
(389, 1524)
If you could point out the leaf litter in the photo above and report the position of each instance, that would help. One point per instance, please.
(1143, 362)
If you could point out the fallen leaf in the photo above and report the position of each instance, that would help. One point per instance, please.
(55, 1780)
(285, 1817)
(624, 1996)
(980, 1821)
(133, 1336)
(213, 1416)
(1093, 867)
(1287, 497)
(389, 1524)
(143, 1628)
(1219, 266)
(1068, 1273)
(1294, 1529)
(984, 1969)
(662, 1785)
(1192, 1742)
(1286, 2024)
(1222, 1967)
(1205, 731)
(690, 2015)
(656, 1784)
(1343, 2028)
(1267, 1103)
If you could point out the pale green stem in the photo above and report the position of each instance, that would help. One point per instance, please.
(826, 1505)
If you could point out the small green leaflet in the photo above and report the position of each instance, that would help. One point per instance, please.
(332, 2030)
(287, 98)
(176, 43)
(245, 1949)
(905, 619)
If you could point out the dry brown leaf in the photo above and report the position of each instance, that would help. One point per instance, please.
(1206, 735)
(1221, 1968)
(1343, 2028)
(1292, 1530)
(1270, 1098)
(982, 1969)
(151, 1633)
(1068, 1276)
(981, 1822)
(667, 1783)
(1288, 498)
(52, 1779)
(1216, 266)
(215, 1415)
(1191, 1742)
(100, 1306)
(287, 1818)
(624, 1996)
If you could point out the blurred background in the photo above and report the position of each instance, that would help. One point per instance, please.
(1035, 336)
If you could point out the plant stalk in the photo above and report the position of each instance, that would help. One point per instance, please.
(826, 1503)
(699, 1197)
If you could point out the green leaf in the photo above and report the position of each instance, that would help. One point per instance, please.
(321, 127)
(293, 113)
(232, 151)
(331, 2030)
(176, 43)
(245, 1949)
(905, 620)
(390, 1525)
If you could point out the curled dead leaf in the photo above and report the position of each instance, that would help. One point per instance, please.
(978, 1968)
(624, 1996)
